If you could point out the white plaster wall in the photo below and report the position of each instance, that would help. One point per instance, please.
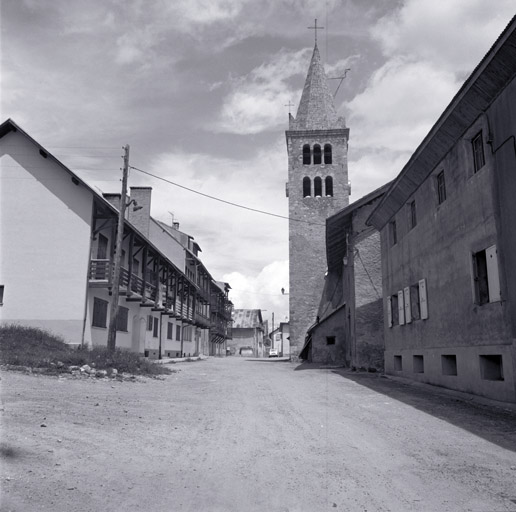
(167, 244)
(45, 225)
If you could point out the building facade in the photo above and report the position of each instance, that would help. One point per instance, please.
(58, 274)
(248, 331)
(349, 327)
(317, 145)
(449, 243)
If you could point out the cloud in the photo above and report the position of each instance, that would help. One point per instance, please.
(400, 104)
(373, 169)
(258, 100)
(430, 48)
(452, 35)
(262, 290)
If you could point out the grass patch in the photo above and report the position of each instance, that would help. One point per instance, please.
(37, 348)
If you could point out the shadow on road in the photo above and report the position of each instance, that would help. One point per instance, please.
(492, 423)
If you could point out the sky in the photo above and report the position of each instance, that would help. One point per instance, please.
(200, 89)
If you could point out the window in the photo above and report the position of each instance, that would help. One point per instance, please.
(307, 186)
(478, 152)
(398, 364)
(449, 364)
(170, 330)
(330, 340)
(100, 308)
(486, 276)
(415, 308)
(327, 154)
(102, 247)
(419, 364)
(136, 266)
(491, 367)
(317, 154)
(178, 333)
(122, 318)
(328, 183)
(317, 186)
(150, 320)
(393, 233)
(1, 294)
(413, 217)
(306, 155)
(441, 188)
(156, 328)
(395, 309)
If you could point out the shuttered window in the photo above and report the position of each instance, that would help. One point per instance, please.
(122, 319)
(100, 308)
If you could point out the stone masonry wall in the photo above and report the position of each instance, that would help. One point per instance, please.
(307, 239)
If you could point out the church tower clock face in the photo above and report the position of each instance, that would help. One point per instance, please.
(317, 146)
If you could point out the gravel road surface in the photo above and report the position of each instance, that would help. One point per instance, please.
(235, 435)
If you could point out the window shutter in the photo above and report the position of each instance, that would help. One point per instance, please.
(401, 308)
(493, 276)
(423, 303)
(389, 311)
(408, 309)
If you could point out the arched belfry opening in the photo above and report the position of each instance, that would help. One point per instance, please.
(328, 186)
(307, 160)
(317, 186)
(317, 154)
(307, 187)
(327, 154)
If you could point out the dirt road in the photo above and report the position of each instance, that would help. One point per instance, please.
(234, 435)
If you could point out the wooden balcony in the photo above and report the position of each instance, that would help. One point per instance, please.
(202, 321)
(101, 273)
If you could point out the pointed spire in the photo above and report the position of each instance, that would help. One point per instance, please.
(316, 110)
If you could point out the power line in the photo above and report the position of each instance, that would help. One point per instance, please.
(223, 200)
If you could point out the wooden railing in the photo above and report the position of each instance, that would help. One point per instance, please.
(100, 270)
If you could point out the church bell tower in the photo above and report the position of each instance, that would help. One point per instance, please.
(317, 146)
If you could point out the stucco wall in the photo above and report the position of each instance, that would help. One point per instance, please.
(440, 249)
(45, 222)
(333, 326)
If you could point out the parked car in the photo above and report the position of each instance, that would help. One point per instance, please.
(246, 351)
(273, 352)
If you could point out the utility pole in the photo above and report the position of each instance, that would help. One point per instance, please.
(115, 288)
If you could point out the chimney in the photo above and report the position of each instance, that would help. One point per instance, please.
(175, 225)
(114, 199)
(140, 219)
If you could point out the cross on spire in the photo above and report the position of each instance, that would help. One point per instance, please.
(316, 28)
(289, 104)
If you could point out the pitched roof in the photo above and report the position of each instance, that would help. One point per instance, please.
(488, 79)
(316, 109)
(10, 126)
(247, 319)
(336, 241)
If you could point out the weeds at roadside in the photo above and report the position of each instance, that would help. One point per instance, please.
(37, 348)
